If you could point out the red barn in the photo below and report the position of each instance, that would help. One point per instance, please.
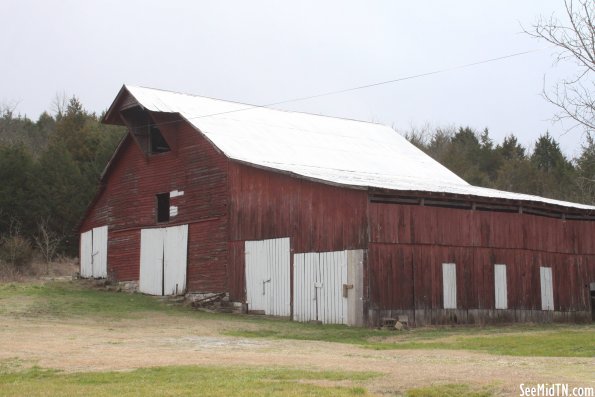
(326, 219)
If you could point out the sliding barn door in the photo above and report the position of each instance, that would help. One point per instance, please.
(174, 255)
(267, 276)
(163, 260)
(87, 254)
(93, 253)
(151, 262)
(328, 287)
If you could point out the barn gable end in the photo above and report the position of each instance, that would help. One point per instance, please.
(194, 175)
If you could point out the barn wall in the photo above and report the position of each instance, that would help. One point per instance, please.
(408, 245)
(127, 204)
(266, 205)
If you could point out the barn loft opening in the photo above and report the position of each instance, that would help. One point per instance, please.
(145, 130)
(158, 143)
(163, 207)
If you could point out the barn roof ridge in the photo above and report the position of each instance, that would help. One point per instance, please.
(345, 152)
(253, 106)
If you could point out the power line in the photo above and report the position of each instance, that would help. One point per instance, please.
(361, 87)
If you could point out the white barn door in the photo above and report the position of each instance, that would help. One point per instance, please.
(174, 255)
(547, 290)
(87, 254)
(163, 260)
(328, 287)
(93, 253)
(267, 276)
(151, 262)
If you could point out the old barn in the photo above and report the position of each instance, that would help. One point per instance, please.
(327, 219)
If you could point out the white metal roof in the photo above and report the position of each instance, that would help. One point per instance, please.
(341, 151)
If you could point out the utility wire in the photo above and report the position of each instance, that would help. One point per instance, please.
(361, 87)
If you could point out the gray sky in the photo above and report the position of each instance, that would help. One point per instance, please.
(262, 52)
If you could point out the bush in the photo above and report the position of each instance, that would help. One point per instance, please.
(16, 251)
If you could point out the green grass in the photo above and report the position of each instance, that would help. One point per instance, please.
(59, 299)
(451, 390)
(550, 340)
(75, 298)
(184, 381)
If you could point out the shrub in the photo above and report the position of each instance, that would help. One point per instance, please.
(17, 251)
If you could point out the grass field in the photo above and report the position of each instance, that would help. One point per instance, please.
(325, 364)
(66, 299)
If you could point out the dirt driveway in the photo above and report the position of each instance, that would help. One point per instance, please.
(88, 345)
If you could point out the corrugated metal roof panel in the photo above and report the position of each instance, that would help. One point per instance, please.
(336, 150)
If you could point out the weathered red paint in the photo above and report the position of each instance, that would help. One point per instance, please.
(127, 204)
(408, 245)
(226, 203)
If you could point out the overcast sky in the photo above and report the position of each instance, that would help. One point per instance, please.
(261, 52)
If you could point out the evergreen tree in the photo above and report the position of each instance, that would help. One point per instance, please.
(585, 168)
(17, 195)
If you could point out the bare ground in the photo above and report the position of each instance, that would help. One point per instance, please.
(75, 345)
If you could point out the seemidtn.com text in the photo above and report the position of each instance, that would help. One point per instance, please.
(555, 390)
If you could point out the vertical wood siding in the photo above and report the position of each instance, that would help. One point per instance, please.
(127, 204)
(317, 217)
(408, 245)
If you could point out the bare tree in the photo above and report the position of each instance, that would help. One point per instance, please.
(575, 39)
(47, 241)
(14, 247)
(59, 104)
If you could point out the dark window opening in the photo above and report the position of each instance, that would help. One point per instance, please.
(158, 143)
(163, 207)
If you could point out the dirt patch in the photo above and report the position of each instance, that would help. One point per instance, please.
(89, 345)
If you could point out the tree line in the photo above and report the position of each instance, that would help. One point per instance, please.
(49, 170)
(543, 171)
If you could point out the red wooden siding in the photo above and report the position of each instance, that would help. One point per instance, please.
(408, 245)
(123, 254)
(317, 217)
(237, 276)
(127, 204)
